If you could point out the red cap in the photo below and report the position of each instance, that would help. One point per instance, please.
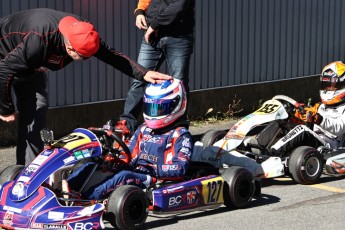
(83, 37)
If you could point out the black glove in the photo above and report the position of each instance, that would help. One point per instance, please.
(317, 118)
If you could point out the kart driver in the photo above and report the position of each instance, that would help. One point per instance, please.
(161, 147)
(328, 118)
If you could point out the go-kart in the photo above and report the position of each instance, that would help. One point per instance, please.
(254, 134)
(33, 197)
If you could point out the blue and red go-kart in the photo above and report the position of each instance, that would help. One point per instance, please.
(33, 197)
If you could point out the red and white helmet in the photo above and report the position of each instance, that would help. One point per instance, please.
(164, 103)
(332, 79)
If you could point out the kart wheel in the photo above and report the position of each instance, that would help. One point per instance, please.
(238, 187)
(211, 137)
(10, 173)
(127, 207)
(305, 165)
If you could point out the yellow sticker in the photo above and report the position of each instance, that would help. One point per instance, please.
(72, 140)
(212, 190)
(270, 106)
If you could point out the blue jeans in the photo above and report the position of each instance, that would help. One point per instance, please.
(176, 51)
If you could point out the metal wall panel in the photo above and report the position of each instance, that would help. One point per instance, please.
(236, 42)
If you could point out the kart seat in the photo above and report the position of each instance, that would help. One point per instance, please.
(264, 139)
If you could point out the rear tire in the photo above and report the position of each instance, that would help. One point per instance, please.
(239, 187)
(305, 165)
(127, 207)
(211, 137)
(10, 173)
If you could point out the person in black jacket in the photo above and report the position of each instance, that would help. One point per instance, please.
(168, 26)
(34, 41)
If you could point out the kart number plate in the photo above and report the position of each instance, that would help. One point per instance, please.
(72, 140)
(268, 108)
(212, 190)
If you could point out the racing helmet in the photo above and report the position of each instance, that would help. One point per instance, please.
(332, 79)
(164, 103)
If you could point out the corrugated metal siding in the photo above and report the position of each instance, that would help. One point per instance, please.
(236, 42)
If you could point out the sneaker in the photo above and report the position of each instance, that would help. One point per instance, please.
(272, 167)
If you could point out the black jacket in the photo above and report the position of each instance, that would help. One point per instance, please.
(170, 17)
(30, 41)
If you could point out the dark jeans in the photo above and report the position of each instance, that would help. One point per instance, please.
(32, 105)
(176, 51)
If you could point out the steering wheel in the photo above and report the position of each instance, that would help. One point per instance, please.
(107, 139)
(296, 105)
(290, 101)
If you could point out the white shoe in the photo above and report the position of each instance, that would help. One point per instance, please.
(272, 167)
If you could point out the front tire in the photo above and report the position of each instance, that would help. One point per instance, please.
(127, 207)
(239, 187)
(211, 137)
(10, 173)
(305, 165)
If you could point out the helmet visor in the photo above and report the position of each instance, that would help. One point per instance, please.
(331, 83)
(160, 107)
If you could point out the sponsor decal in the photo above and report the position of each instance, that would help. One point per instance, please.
(188, 198)
(69, 159)
(86, 152)
(37, 225)
(166, 168)
(186, 142)
(55, 215)
(185, 150)
(78, 155)
(191, 197)
(150, 139)
(8, 218)
(292, 133)
(39, 160)
(84, 226)
(148, 157)
(182, 157)
(86, 211)
(18, 189)
(54, 226)
(31, 169)
(175, 201)
(47, 152)
(213, 159)
(329, 73)
(12, 209)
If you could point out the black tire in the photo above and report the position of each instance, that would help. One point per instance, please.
(211, 137)
(127, 207)
(305, 165)
(239, 187)
(10, 173)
